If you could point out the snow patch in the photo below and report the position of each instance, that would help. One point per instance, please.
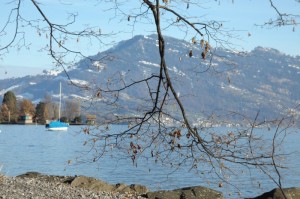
(100, 66)
(79, 82)
(125, 96)
(26, 96)
(147, 71)
(20, 97)
(274, 61)
(173, 50)
(52, 72)
(3, 91)
(87, 98)
(175, 70)
(123, 73)
(149, 63)
(294, 66)
(151, 37)
(235, 88)
(208, 63)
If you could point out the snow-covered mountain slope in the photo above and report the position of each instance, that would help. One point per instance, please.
(264, 79)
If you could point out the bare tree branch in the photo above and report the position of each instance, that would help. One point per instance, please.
(147, 134)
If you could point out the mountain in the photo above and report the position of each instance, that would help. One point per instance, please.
(263, 80)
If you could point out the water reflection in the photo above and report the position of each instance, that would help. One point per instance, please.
(32, 148)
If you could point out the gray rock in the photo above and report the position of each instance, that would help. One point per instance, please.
(91, 183)
(196, 192)
(47, 178)
(86, 183)
(290, 193)
(98, 185)
(31, 174)
(123, 188)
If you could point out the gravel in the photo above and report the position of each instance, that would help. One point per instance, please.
(32, 188)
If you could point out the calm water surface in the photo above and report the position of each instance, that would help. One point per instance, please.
(32, 148)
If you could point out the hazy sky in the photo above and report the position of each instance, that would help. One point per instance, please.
(239, 17)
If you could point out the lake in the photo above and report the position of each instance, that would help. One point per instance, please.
(32, 148)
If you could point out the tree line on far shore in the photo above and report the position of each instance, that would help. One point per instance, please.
(12, 110)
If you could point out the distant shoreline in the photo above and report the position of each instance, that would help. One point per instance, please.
(38, 124)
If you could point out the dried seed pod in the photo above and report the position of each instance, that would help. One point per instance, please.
(203, 54)
(220, 184)
(194, 40)
(191, 53)
(202, 43)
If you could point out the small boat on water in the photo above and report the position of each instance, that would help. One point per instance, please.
(58, 125)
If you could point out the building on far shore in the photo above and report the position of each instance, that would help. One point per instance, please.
(25, 119)
(90, 119)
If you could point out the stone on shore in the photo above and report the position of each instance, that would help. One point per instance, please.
(87, 186)
(88, 183)
(98, 185)
(196, 192)
(47, 178)
(290, 193)
(91, 183)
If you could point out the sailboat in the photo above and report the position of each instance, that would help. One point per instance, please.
(58, 125)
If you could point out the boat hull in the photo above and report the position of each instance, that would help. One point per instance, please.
(58, 129)
(57, 126)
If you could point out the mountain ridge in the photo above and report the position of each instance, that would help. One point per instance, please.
(263, 80)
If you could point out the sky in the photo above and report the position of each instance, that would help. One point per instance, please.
(240, 18)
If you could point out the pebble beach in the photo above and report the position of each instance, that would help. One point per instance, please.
(36, 188)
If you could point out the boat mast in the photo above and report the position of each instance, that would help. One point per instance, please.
(59, 101)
